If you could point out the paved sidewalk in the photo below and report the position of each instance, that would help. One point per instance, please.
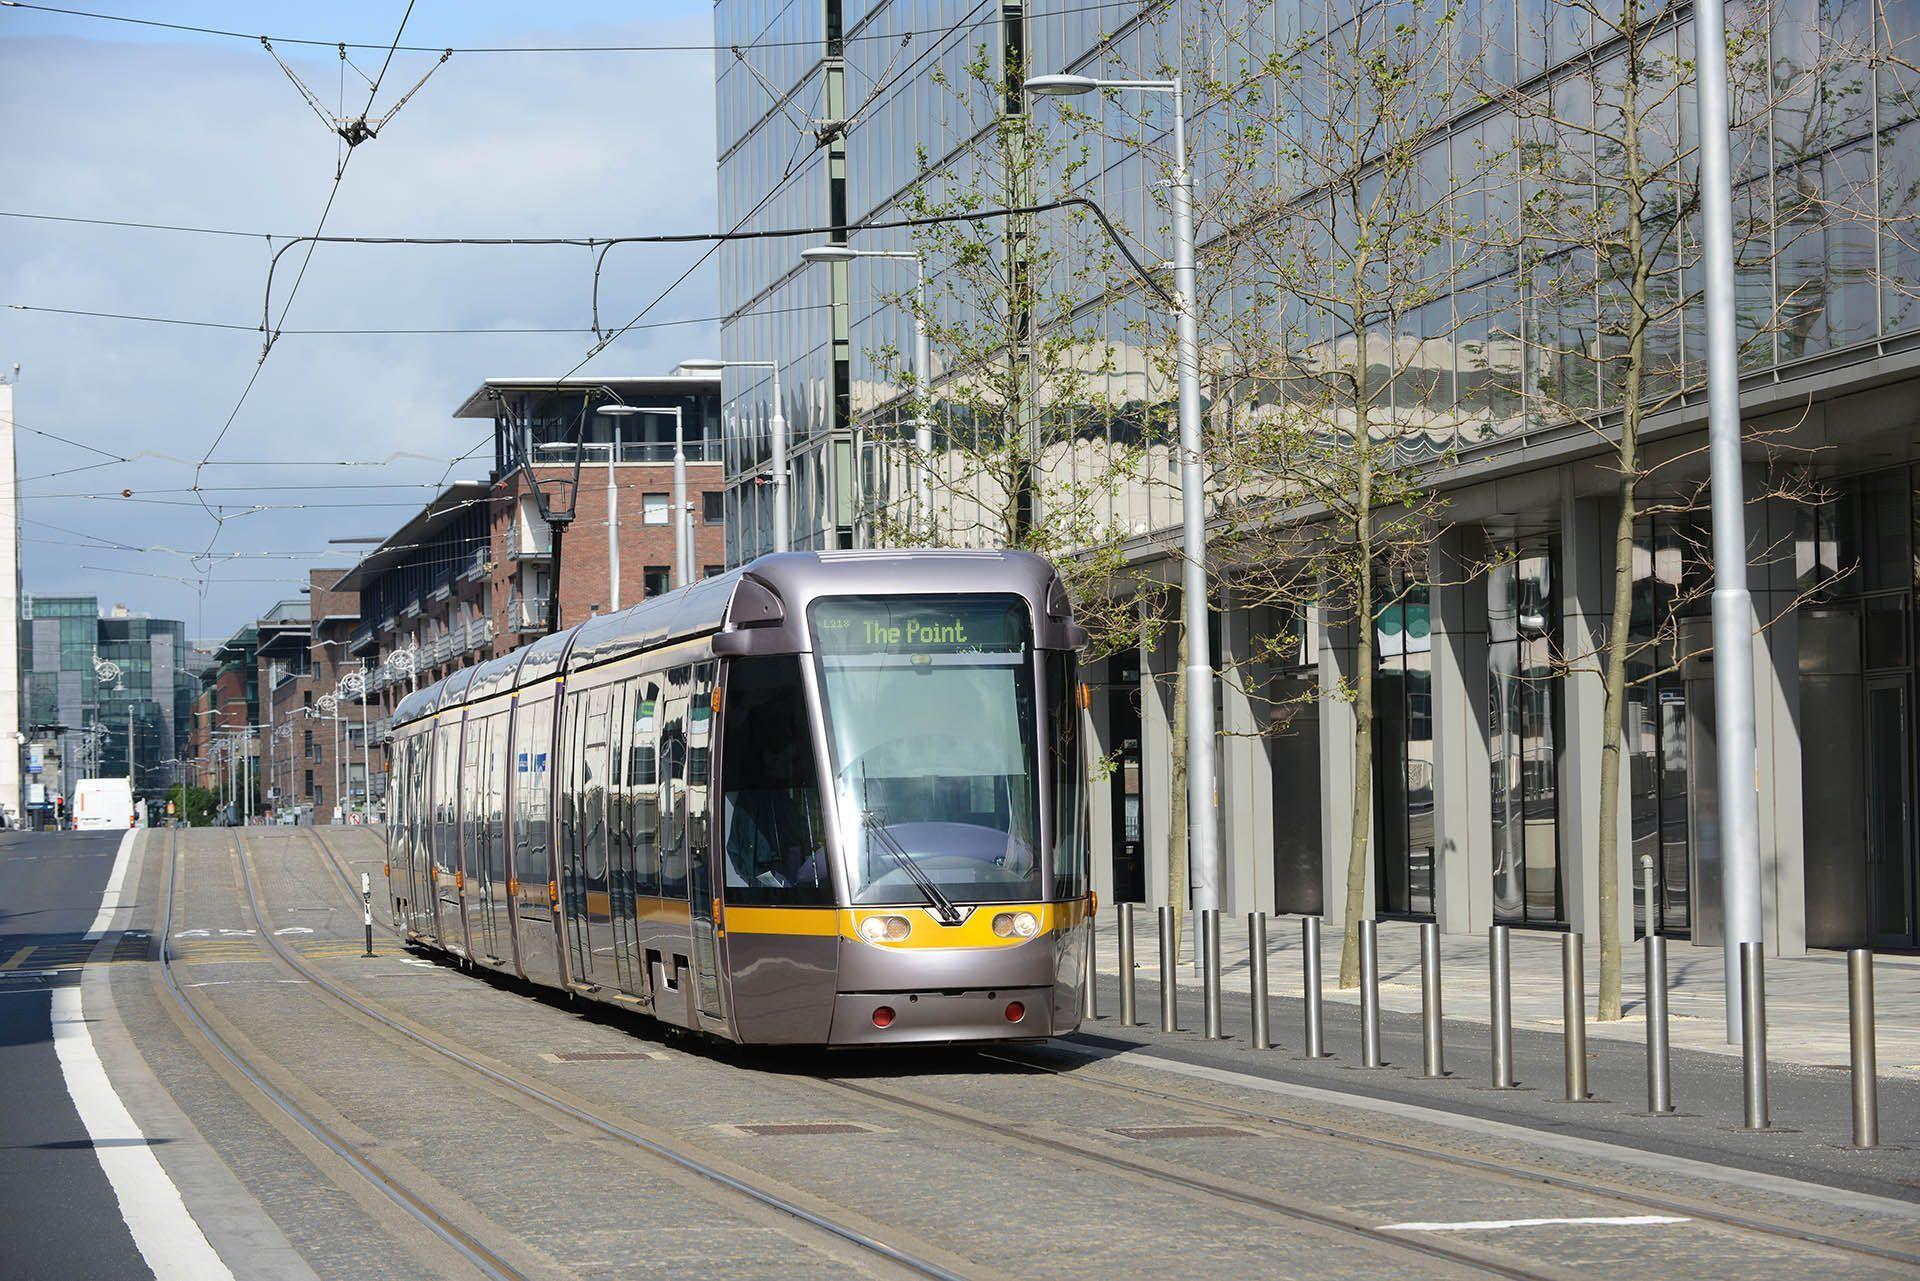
(1806, 996)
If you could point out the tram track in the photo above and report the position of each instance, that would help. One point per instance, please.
(1327, 1218)
(762, 1197)
(484, 1259)
(1528, 1176)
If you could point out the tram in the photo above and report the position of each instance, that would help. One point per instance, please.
(829, 798)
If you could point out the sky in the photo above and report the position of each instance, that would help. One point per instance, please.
(105, 120)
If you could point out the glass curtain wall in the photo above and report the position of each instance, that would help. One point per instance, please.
(1524, 733)
(1403, 750)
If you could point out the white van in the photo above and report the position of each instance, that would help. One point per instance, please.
(102, 804)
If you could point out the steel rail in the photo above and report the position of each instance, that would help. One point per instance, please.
(612, 1129)
(1326, 1217)
(485, 1260)
(1530, 1175)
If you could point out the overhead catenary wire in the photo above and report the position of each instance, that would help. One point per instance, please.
(313, 42)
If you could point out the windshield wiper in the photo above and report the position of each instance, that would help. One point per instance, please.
(942, 905)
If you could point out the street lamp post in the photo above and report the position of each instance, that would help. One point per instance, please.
(776, 438)
(682, 549)
(1203, 838)
(922, 364)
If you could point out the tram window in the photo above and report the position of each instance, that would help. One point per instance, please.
(593, 787)
(772, 821)
(533, 743)
(643, 783)
(673, 786)
(1069, 777)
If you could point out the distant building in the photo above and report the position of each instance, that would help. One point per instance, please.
(81, 719)
(471, 575)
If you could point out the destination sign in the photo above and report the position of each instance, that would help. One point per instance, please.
(919, 625)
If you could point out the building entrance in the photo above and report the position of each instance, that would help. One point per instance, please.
(1129, 817)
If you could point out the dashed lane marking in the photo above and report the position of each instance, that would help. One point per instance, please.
(1495, 1225)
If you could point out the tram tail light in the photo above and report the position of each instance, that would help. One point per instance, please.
(883, 1016)
(1016, 1011)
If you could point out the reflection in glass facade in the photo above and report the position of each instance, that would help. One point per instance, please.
(1523, 734)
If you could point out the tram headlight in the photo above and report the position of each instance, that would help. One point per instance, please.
(1016, 925)
(885, 929)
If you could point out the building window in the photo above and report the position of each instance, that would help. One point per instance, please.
(1670, 585)
(656, 579)
(309, 784)
(655, 509)
(713, 506)
(1523, 734)
(1403, 748)
(713, 570)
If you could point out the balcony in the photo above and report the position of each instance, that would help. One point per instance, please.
(525, 544)
(479, 634)
(476, 566)
(527, 614)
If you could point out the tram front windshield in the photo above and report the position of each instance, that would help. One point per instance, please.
(930, 715)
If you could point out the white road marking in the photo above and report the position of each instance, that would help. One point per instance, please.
(110, 901)
(163, 1229)
(235, 933)
(193, 934)
(1494, 1225)
(225, 982)
(294, 929)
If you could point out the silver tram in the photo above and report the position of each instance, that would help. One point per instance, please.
(832, 798)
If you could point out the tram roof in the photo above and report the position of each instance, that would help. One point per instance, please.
(778, 589)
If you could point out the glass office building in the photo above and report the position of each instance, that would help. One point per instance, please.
(67, 701)
(1486, 763)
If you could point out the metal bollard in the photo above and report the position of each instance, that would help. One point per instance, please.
(1129, 1004)
(1310, 987)
(1257, 977)
(1370, 994)
(1093, 964)
(366, 909)
(1866, 1080)
(1210, 972)
(1500, 996)
(1753, 1019)
(1169, 965)
(1433, 1047)
(1659, 1066)
(1573, 1010)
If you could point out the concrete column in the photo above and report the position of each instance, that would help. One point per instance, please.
(1585, 593)
(1462, 776)
(1095, 726)
(1159, 664)
(1336, 763)
(1776, 676)
(1246, 774)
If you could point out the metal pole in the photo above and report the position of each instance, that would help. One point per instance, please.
(1500, 996)
(1257, 975)
(366, 908)
(777, 434)
(1129, 1010)
(1310, 987)
(366, 756)
(682, 554)
(1659, 1067)
(1093, 967)
(613, 523)
(1866, 1079)
(1647, 894)
(923, 388)
(1732, 611)
(1370, 994)
(1169, 1000)
(339, 787)
(1433, 1044)
(1753, 1045)
(1203, 838)
(1210, 970)
(1573, 1011)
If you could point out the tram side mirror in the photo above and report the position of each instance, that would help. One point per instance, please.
(732, 644)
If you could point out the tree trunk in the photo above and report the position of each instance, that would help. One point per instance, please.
(1362, 798)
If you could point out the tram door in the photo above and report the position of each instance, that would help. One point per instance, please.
(702, 893)
(584, 875)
